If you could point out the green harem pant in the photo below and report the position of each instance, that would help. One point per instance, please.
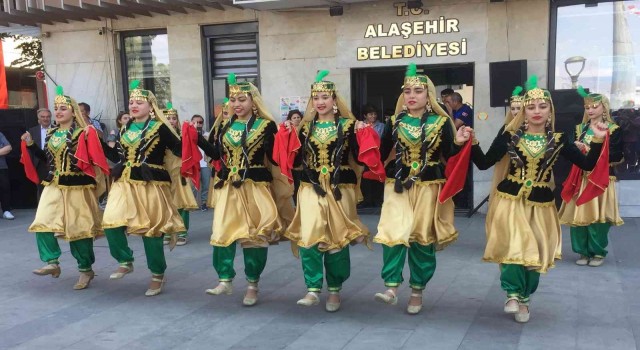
(255, 259)
(590, 241)
(518, 281)
(337, 266)
(184, 214)
(153, 249)
(49, 249)
(422, 264)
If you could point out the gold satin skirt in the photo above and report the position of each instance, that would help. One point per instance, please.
(523, 234)
(182, 194)
(598, 210)
(247, 214)
(146, 209)
(210, 195)
(71, 213)
(415, 215)
(325, 222)
(282, 192)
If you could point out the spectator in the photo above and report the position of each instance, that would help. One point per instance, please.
(462, 113)
(205, 171)
(295, 116)
(372, 191)
(443, 96)
(5, 186)
(121, 119)
(39, 135)
(370, 117)
(85, 110)
(629, 122)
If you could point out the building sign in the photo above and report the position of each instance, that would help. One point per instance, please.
(418, 29)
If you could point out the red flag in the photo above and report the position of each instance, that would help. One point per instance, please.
(285, 148)
(89, 153)
(598, 179)
(25, 159)
(191, 155)
(571, 185)
(4, 94)
(369, 154)
(456, 173)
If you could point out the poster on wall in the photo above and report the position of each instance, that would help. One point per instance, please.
(288, 103)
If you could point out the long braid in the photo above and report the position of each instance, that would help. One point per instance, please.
(245, 153)
(337, 160)
(305, 165)
(511, 148)
(399, 150)
(69, 150)
(50, 158)
(550, 149)
(223, 174)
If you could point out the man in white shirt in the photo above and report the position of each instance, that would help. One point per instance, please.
(39, 136)
(205, 170)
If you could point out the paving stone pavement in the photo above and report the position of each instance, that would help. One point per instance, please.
(574, 308)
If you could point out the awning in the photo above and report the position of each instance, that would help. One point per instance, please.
(35, 13)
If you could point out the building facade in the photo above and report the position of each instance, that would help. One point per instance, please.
(185, 57)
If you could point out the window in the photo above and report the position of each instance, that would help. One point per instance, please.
(597, 45)
(231, 48)
(146, 58)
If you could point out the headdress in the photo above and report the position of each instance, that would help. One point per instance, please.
(62, 100)
(593, 100)
(136, 93)
(237, 89)
(532, 94)
(319, 86)
(515, 95)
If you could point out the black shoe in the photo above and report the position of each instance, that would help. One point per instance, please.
(204, 207)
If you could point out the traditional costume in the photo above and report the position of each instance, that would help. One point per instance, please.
(589, 221)
(245, 211)
(523, 233)
(140, 201)
(68, 207)
(326, 219)
(413, 221)
(183, 197)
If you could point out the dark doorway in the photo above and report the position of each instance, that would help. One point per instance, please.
(381, 87)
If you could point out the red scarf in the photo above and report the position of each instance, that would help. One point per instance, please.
(597, 180)
(25, 159)
(369, 142)
(89, 153)
(285, 148)
(457, 165)
(191, 155)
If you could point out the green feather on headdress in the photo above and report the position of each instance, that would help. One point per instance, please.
(59, 90)
(321, 75)
(169, 105)
(532, 83)
(412, 70)
(517, 91)
(135, 84)
(231, 79)
(581, 91)
(225, 101)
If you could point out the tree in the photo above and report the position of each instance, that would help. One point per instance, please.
(31, 52)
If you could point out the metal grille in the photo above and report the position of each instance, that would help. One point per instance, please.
(237, 54)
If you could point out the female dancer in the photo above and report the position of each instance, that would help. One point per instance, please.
(182, 194)
(68, 207)
(245, 210)
(590, 221)
(326, 219)
(412, 218)
(140, 201)
(523, 236)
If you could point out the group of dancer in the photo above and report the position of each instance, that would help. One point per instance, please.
(422, 159)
